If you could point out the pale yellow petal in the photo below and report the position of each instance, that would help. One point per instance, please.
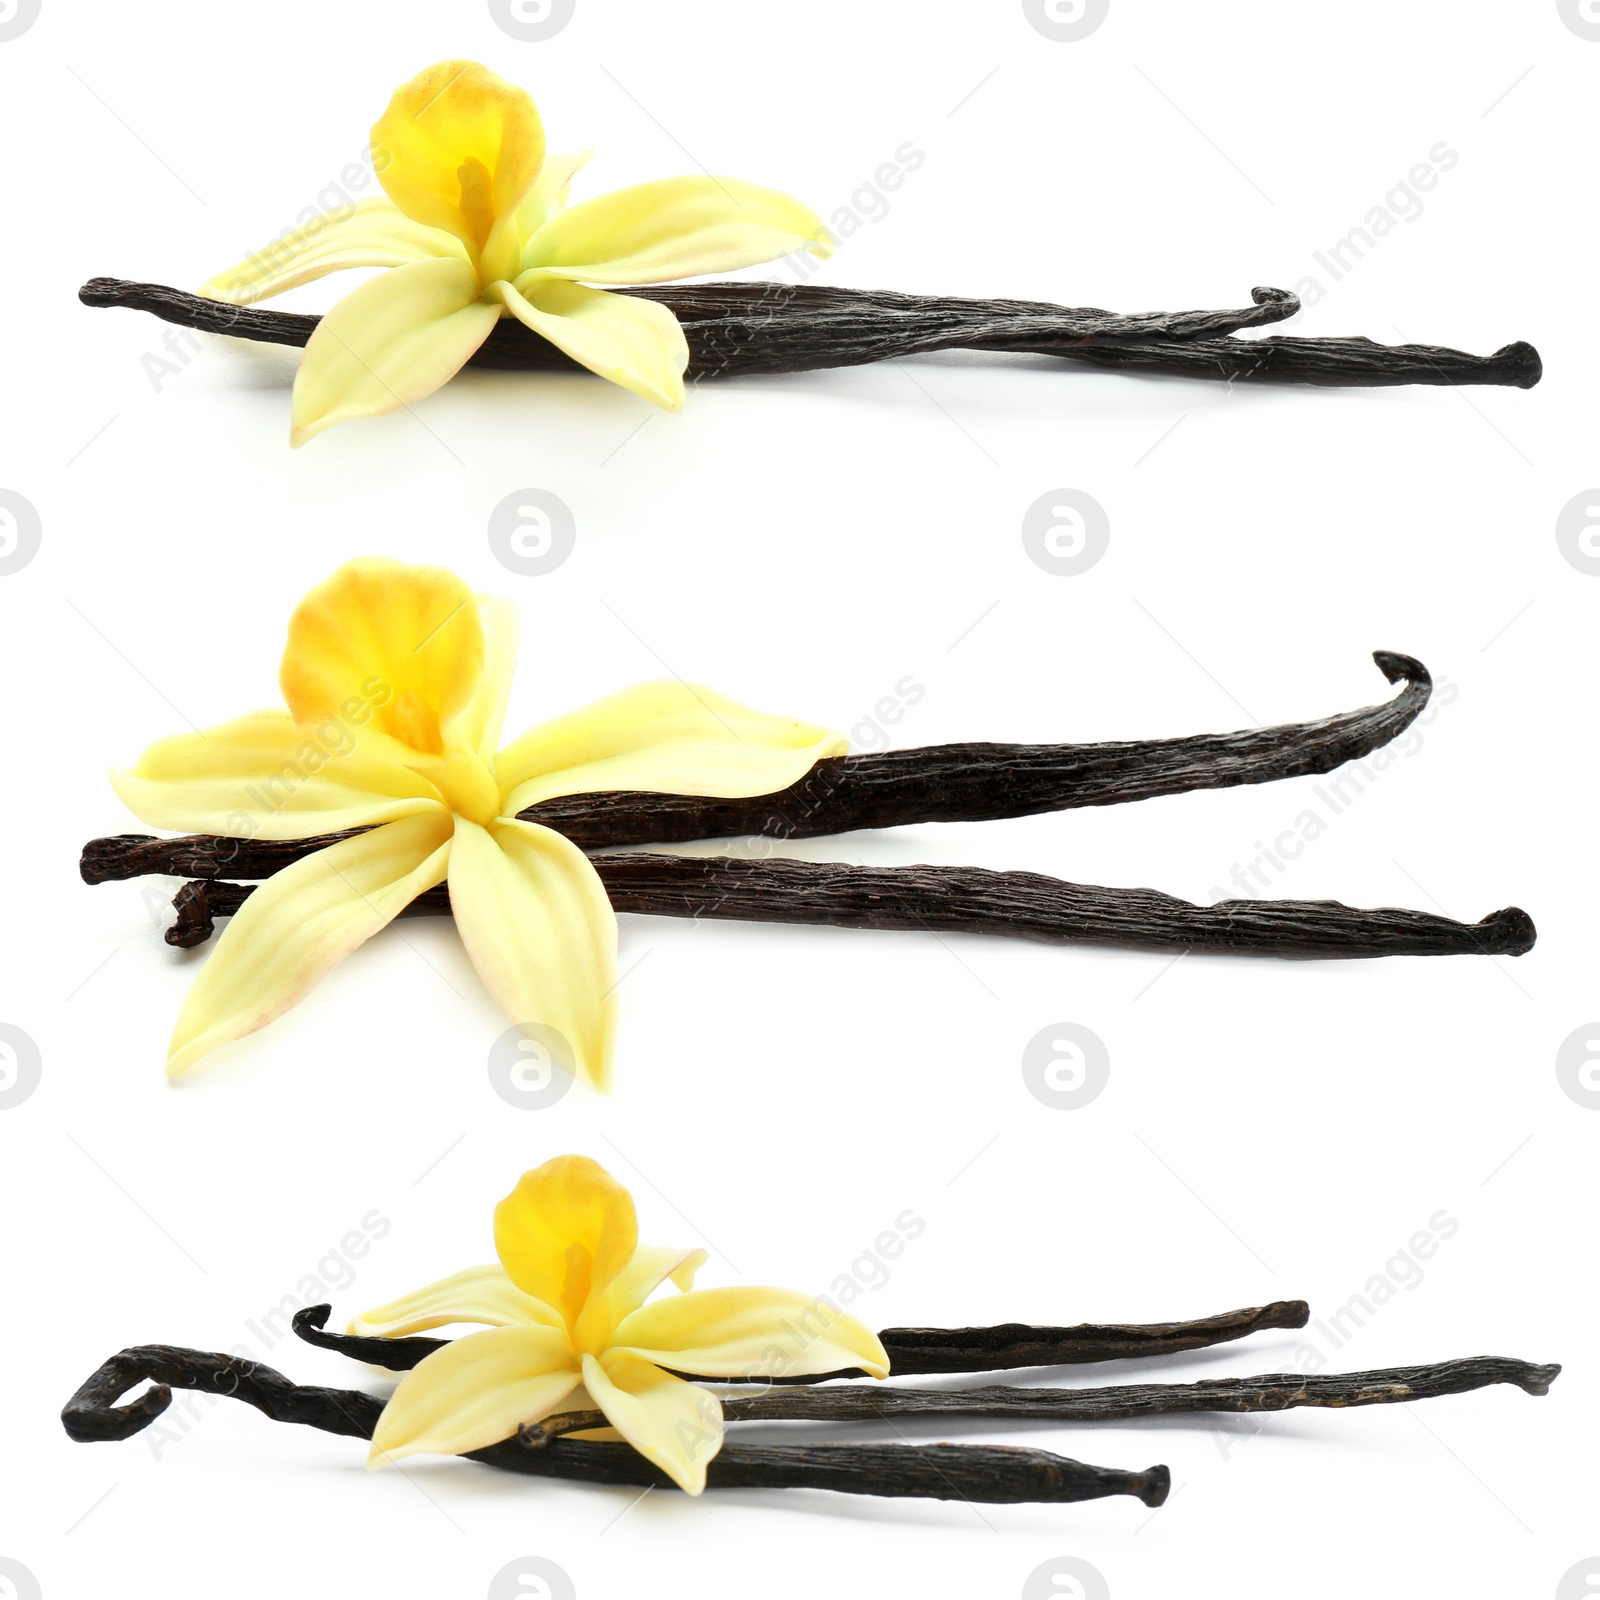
(388, 344)
(751, 1332)
(675, 1425)
(672, 228)
(370, 233)
(651, 1266)
(458, 148)
(635, 343)
(483, 720)
(565, 1232)
(540, 930)
(300, 923)
(474, 1392)
(479, 1294)
(407, 639)
(263, 776)
(549, 192)
(668, 737)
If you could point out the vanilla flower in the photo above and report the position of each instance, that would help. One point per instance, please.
(476, 228)
(566, 1307)
(395, 681)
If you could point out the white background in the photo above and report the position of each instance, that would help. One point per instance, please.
(803, 544)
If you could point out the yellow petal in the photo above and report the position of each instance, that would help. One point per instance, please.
(549, 192)
(751, 1332)
(539, 928)
(474, 1392)
(371, 233)
(675, 1425)
(263, 777)
(667, 737)
(672, 228)
(407, 639)
(635, 343)
(458, 148)
(565, 1232)
(481, 725)
(388, 344)
(479, 1294)
(651, 1266)
(300, 923)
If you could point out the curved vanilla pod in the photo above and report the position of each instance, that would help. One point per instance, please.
(991, 1474)
(980, 782)
(976, 782)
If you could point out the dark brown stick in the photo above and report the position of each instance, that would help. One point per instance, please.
(746, 325)
(1334, 363)
(1024, 905)
(1275, 1391)
(738, 328)
(921, 1351)
(92, 1414)
(981, 782)
(934, 783)
(986, 1473)
(195, 855)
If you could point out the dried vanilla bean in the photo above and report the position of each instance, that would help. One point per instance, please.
(976, 782)
(991, 1474)
(1032, 906)
(920, 1351)
(1275, 1391)
(1332, 363)
(1023, 905)
(742, 328)
(916, 1352)
(92, 1414)
(194, 855)
(980, 782)
(982, 1473)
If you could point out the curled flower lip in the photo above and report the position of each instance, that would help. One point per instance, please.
(568, 1309)
(476, 227)
(395, 681)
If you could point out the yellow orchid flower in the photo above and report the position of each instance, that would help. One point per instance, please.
(566, 1307)
(395, 680)
(476, 228)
